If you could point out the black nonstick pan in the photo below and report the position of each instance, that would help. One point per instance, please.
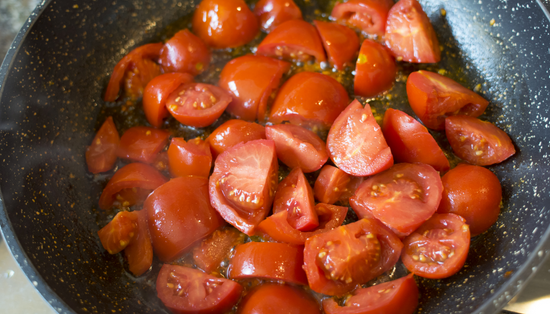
(53, 79)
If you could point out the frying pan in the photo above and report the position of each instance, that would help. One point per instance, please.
(54, 76)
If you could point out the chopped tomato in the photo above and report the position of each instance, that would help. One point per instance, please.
(185, 53)
(191, 158)
(180, 214)
(278, 228)
(367, 15)
(356, 144)
(134, 175)
(131, 196)
(312, 100)
(274, 12)
(161, 162)
(185, 290)
(478, 142)
(225, 23)
(197, 104)
(340, 42)
(338, 260)
(156, 93)
(214, 249)
(438, 249)
(396, 297)
(474, 193)
(101, 154)
(233, 132)
(298, 147)
(243, 183)
(135, 63)
(137, 78)
(293, 40)
(350, 189)
(375, 71)
(434, 97)
(330, 184)
(118, 233)
(142, 143)
(411, 142)
(272, 298)
(251, 91)
(295, 196)
(139, 253)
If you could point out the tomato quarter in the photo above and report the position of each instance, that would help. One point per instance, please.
(214, 249)
(189, 158)
(233, 132)
(340, 42)
(185, 53)
(101, 154)
(330, 184)
(118, 233)
(367, 15)
(375, 70)
(272, 298)
(142, 144)
(274, 12)
(139, 251)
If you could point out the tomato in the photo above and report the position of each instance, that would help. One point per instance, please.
(134, 175)
(411, 142)
(340, 42)
(438, 249)
(243, 183)
(233, 132)
(278, 228)
(478, 142)
(367, 15)
(294, 40)
(180, 214)
(139, 253)
(118, 233)
(197, 104)
(338, 260)
(433, 97)
(142, 143)
(265, 260)
(410, 35)
(251, 91)
(134, 63)
(474, 193)
(375, 71)
(161, 162)
(185, 53)
(330, 184)
(191, 158)
(350, 189)
(355, 142)
(214, 249)
(274, 12)
(312, 100)
(298, 147)
(156, 93)
(186, 290)
(272, 298)
(396, 297)
(130, 197)
(101, 154)
(225, 23)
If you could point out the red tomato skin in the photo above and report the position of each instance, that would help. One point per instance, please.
(478, 142)
(341, 43)
(411, 142)
(267, 260)
(139, 252)
(191, 158)
(233, 132)
(272, 13)
(179, 215)
(142, 144)
(156, 93)
(225, 23)
(330, 184)
(298, 147)
(131, 60)
(293, 40)
(204, 294)
(398, 296)
(367, 15)
(474, 193)
(433, 97)
(299, 99)
(272, 298)
(134, 175)
(375, 71)
(118, 233)
(101, 154)
(185, 53)
(214, 249)
(278, 228)
(410, 34)
(367, 153)
(249, 90)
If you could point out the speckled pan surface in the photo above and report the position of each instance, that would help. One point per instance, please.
(52, 82)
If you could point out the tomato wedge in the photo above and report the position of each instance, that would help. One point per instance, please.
(478, 142)
(367, 15)
(330, 184)
(186, 290)
(185, 53)
(118, 233)
(341, 43)
(142, 143)
(274, 12)
(438, 249)
(272, 298)
(350, 189)
(375, 71)
(139, 253)
(191, 158)
(355, 142)
(233, 132)
(101, 154)
(216, 248)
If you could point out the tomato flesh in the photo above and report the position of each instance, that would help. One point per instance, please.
(185, 53)
(101, 154)
(118, 233)
(189, 158)
(142, 143)
(367, 15)
(274, 12)
(340, 42)
(139, 252)
(375, 70)
(233, 132)
(330, 184)
(216, 248)
(272, 298)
